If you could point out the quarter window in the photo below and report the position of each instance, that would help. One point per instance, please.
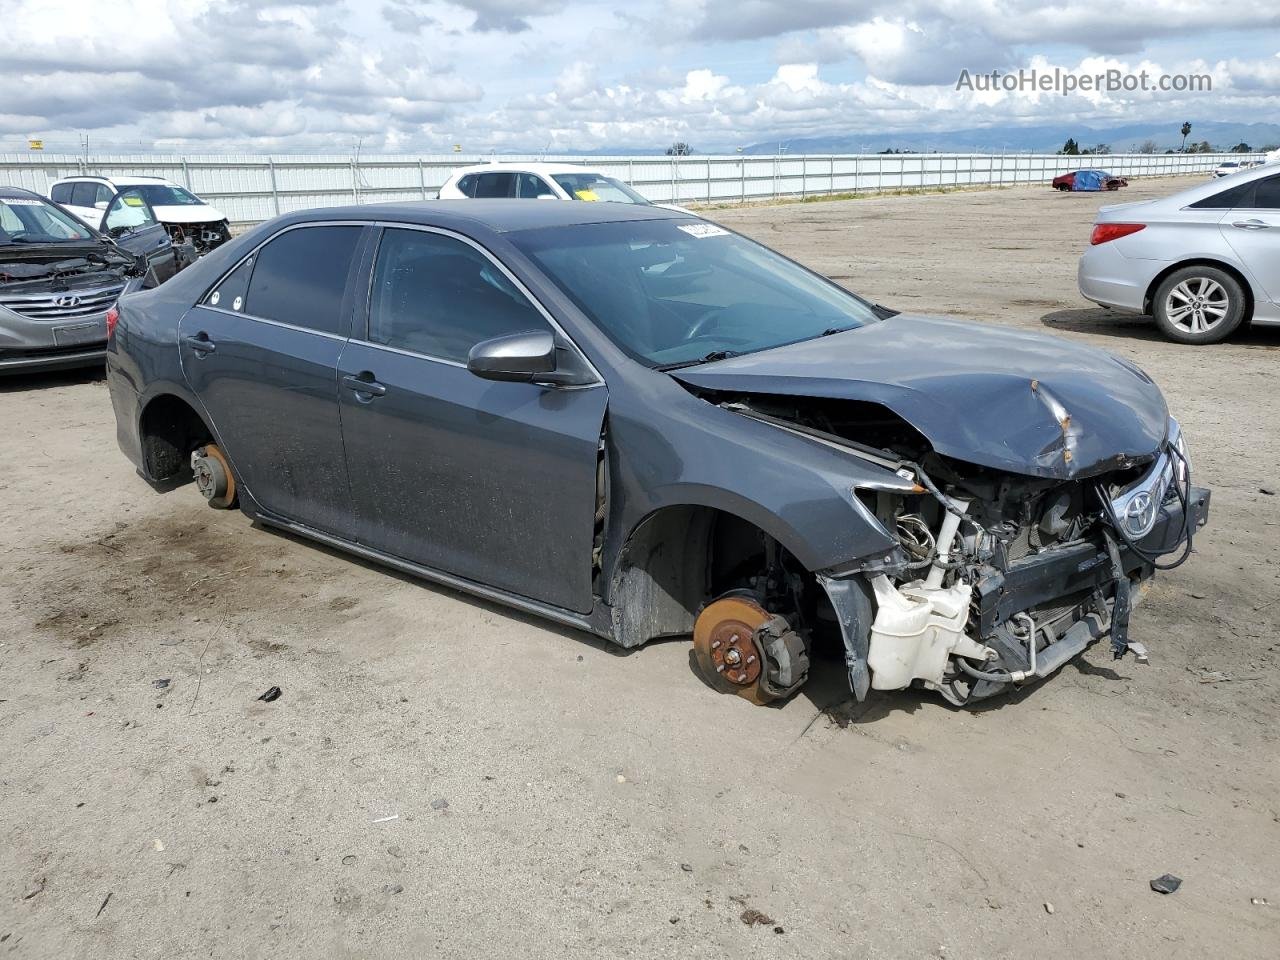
(467, 185)
(301, 276)
(230, 292)
(61, 193)
(438, 296)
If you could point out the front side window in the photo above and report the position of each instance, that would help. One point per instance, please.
(674, 292)
(438, 296)
(300, 277)
(33, 221)
(593, 186)
(532, 186)
(126, 213)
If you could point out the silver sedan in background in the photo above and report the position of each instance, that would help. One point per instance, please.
(1202, 262)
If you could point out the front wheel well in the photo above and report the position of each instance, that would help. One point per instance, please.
(1148, 302)
(169, 430)
(681, 557)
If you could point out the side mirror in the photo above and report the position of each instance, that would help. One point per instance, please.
(547, 196)
(518, 358)
(101, 205)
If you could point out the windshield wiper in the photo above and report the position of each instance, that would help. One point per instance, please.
(711, 357)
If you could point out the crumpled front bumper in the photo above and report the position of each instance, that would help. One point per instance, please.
(1043, 578)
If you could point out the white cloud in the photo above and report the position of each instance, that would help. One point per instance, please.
(580, 74)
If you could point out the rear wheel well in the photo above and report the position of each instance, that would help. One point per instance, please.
(679, 558)
(169, 430)
(1148, 302)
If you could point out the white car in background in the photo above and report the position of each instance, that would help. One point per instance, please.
(1202, 262)
(1227, 168)
(541, 181)
(193, 225)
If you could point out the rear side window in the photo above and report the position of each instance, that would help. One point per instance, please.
(1238, 196)
(84, 194)
(492, 185)
(1268, 195)
(300, 277)
(230, 292)
(61, 193)
(438, 296)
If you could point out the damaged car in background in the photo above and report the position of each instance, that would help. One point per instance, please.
(643, 425)
(59, 279)
(194, 227)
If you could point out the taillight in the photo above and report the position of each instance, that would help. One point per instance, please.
(1102, 232)
(113, 317)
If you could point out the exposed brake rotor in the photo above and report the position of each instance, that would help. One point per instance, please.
(213, 476)
(742, 648)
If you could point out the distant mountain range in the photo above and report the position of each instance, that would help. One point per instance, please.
(1041, 139)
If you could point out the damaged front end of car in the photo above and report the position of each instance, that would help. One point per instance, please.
(998, 578)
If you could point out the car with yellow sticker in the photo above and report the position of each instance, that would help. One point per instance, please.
(541, 181)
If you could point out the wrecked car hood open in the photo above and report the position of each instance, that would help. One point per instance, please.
(1021, 402)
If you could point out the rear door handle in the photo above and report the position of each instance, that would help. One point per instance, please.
(200, 343)
(1251, 224)
(364, 383)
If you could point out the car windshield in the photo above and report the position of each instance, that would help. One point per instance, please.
(593, 186)
(677, 292)
(29, 220)
(166, 195)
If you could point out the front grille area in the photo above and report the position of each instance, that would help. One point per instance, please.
(63, 304)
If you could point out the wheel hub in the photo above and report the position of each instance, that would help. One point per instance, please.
(742, 648)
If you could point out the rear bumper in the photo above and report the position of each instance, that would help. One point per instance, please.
(1109, 278)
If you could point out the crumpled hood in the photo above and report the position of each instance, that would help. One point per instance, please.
(1022, 402)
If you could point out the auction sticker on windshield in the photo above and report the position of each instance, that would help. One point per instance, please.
(21, 202)
(703, 230)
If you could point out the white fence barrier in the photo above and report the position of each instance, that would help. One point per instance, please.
(250, 189)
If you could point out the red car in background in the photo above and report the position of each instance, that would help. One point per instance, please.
(1089, 180)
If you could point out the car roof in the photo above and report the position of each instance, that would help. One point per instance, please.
(17, 193)
(529, 166)
(128, 181)
(498, 216)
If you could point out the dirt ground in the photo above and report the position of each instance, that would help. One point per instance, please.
(443, 777)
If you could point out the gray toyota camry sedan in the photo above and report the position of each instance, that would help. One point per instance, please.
(643, 425)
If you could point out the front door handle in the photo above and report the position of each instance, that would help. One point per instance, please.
(1251, 224)
(200, 343)
(364, 383)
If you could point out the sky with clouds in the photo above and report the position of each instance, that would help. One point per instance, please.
(218, 76)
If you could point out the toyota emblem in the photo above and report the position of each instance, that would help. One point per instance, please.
(67, 301)
(1140, 514)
